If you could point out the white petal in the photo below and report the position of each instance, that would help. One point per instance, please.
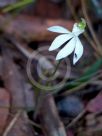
(78, 51)
(59, 40)
(67, 50)
(76, 30)
(58, 29)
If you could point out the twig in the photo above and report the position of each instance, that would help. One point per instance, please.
(29, 121)
(12, 123)
(85, 34)
(34, 124)
(30, 54)
(75, 120)
(90, 27)
(69, 3)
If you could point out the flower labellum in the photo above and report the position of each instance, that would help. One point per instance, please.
(73, 45)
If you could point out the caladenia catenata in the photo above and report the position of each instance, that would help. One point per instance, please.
(73, 42)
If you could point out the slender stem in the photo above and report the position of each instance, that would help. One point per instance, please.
(56, 68)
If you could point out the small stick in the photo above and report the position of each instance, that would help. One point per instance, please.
(12, 123)
(90, 26)
(75, 120)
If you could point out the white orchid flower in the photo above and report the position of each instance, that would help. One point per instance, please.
(73, 42)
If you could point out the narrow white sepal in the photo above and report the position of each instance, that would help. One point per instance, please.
(78, 51)
(60, 40)
(58, 29)
(67, 50)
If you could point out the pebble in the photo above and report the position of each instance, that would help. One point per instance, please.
(70, 106)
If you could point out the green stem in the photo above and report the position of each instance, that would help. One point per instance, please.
(56, 68)
(17, 5)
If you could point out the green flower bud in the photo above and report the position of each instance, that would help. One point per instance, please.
(82, 24)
